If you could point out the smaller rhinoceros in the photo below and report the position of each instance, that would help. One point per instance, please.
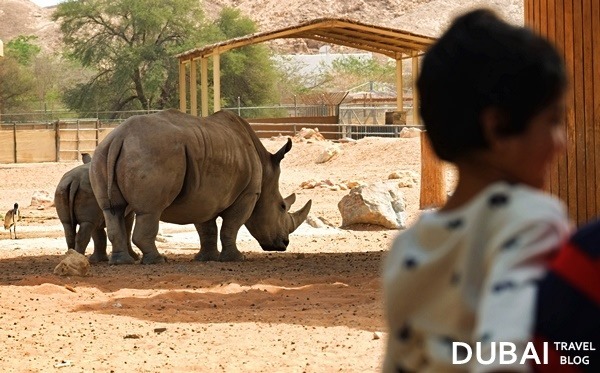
(76, 205)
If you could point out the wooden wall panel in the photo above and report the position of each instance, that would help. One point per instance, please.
(595, 104)
(574, 27)
(7, 147)
(36, 146)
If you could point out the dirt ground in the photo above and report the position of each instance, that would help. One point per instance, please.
(315, 308)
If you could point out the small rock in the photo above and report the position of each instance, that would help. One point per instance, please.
(63, 364)
(159, 330)
(74, 264)
(377, 335)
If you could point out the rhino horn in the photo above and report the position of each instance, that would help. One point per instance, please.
(289, 201)
(299, 216)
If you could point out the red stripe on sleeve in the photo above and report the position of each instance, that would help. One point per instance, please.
(579, 269)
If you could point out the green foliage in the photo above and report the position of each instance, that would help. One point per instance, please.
(246, 72)
(16, 85)
(22, 49)
(130, 45)
(349, 72)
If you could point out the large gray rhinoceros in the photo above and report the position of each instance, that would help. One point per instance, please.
(76, 205)
(183, 169)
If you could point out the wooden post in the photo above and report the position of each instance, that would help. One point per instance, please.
(15, 140)
(182, 96)
(78, 141)
(415, 95)
(193, 89)
(399, 84)
(217, 81)
(433, 185)
(204, 85)
(57, 140)
(97, 132)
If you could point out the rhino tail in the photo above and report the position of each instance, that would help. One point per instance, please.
(72, 192)
(111, 162)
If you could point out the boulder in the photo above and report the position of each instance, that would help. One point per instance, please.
(42, 199)
(329, 152)
(409, 132)
(379, 204)
(406, 178)
(309, 134)
(74, 264)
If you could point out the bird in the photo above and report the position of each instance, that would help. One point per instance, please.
(10, 219)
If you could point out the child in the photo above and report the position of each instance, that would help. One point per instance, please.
(491, 100)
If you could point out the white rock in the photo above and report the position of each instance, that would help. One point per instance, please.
(329, 152)
(379, 204)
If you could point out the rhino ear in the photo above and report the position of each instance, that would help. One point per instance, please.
(289, 201)
(277, 157)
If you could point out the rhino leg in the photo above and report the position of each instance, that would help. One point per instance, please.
(144, 237)
(233, 219)
(128, 228)
(209, 235)
(230, 252)
(99, 255)
(69, 235)
(115, 225)
(83, 236)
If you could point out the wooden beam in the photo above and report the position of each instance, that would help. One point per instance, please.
(412, 41)
(193, 89)
(421, 40)
(217, 82)
(204, 85)
(361, 42)
(182, 95)
(352, 45)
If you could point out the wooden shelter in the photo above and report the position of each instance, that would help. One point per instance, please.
(396, 44)
(574, 27)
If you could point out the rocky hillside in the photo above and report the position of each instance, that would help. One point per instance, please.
(429, 17)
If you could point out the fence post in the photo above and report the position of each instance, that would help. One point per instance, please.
(239, 102)
(295, 106)
(15, 141)
(97, 131)
(78, 141)
(57, 140)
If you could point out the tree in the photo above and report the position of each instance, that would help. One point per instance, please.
(16, 79)
(247, 72)
(130, 46)
(22, 49)
(351, 71)
(16, 84)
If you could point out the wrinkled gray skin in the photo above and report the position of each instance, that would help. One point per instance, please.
(183, 169)
(76, 205)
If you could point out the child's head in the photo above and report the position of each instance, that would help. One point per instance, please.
(484, 65)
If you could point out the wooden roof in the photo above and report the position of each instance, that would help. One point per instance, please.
(377, 39)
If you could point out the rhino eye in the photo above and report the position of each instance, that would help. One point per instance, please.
(283, 206)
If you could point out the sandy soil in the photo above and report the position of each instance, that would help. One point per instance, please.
(315, 308)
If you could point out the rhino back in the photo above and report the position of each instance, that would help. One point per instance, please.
(189, 168)
(82, 206)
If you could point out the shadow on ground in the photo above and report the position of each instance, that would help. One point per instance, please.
(325, 289)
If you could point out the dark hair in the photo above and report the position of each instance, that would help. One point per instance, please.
(481, 62)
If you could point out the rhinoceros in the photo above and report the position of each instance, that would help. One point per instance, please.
(182, 169)
(76, 205)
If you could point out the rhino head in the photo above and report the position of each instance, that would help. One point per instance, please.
(271, 221)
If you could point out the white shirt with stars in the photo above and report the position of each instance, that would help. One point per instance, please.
(469, 275)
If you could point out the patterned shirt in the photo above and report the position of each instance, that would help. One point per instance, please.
(469, 275)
